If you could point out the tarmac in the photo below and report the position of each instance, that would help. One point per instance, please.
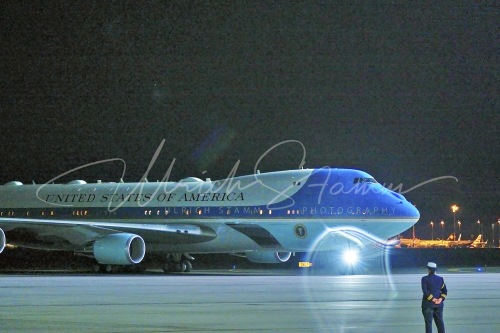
(242, 301)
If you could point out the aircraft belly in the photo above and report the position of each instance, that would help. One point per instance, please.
(227, 240)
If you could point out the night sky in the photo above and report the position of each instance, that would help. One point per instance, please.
(405, 93)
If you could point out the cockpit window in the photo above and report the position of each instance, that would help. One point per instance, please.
(364, 180)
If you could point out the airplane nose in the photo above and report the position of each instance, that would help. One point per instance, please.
(413, 211)
(407, 209)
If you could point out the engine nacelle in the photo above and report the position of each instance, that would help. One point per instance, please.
(3, 240)
(119, 249)
(267, 257)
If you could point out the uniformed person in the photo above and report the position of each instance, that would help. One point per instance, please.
(434, 293)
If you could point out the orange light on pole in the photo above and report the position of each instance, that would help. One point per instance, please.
(459, 227)
(432, 230)
(454, 209)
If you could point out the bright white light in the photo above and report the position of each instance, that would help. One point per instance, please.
(350, 257)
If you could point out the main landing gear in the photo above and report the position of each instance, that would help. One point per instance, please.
(174, 263)
(178, 263)
(110, 269)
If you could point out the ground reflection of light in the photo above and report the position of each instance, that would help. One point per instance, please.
(366, 254)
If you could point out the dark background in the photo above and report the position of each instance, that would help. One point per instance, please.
(406, 93)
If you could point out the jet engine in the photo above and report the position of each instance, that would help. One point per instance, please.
(266, 257)
(2, 240)
(119, 249)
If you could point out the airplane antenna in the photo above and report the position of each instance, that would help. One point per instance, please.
(121, 180)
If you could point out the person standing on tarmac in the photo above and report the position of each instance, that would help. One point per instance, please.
(434, 293)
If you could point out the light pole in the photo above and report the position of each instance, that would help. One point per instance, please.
(432, 230)
(459, 228)
(493, 234)
(442, 230)
(479, 228)
(454, 209)
(498, 232)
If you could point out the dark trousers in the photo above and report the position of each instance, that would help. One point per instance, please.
(437, 314)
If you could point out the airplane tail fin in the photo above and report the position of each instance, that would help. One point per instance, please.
(477, 241)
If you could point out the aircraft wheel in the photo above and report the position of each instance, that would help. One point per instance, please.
(167, 268)
(107, 269)
(96, 268)
(187, 266)
(177, 267)
(140, 268)
(137, 268)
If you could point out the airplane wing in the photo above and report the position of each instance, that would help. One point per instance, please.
(69, 235)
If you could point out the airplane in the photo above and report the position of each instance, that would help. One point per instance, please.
(264, 217)
(423, 243)
(478, 242)
(462, 243)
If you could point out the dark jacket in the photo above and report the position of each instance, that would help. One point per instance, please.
(433, 286)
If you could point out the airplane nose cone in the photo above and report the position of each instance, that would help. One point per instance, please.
(413, 211)
(406, 208)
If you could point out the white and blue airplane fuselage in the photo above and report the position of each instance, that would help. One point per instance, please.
(265, 216)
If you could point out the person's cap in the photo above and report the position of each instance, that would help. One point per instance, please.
(432, 266)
